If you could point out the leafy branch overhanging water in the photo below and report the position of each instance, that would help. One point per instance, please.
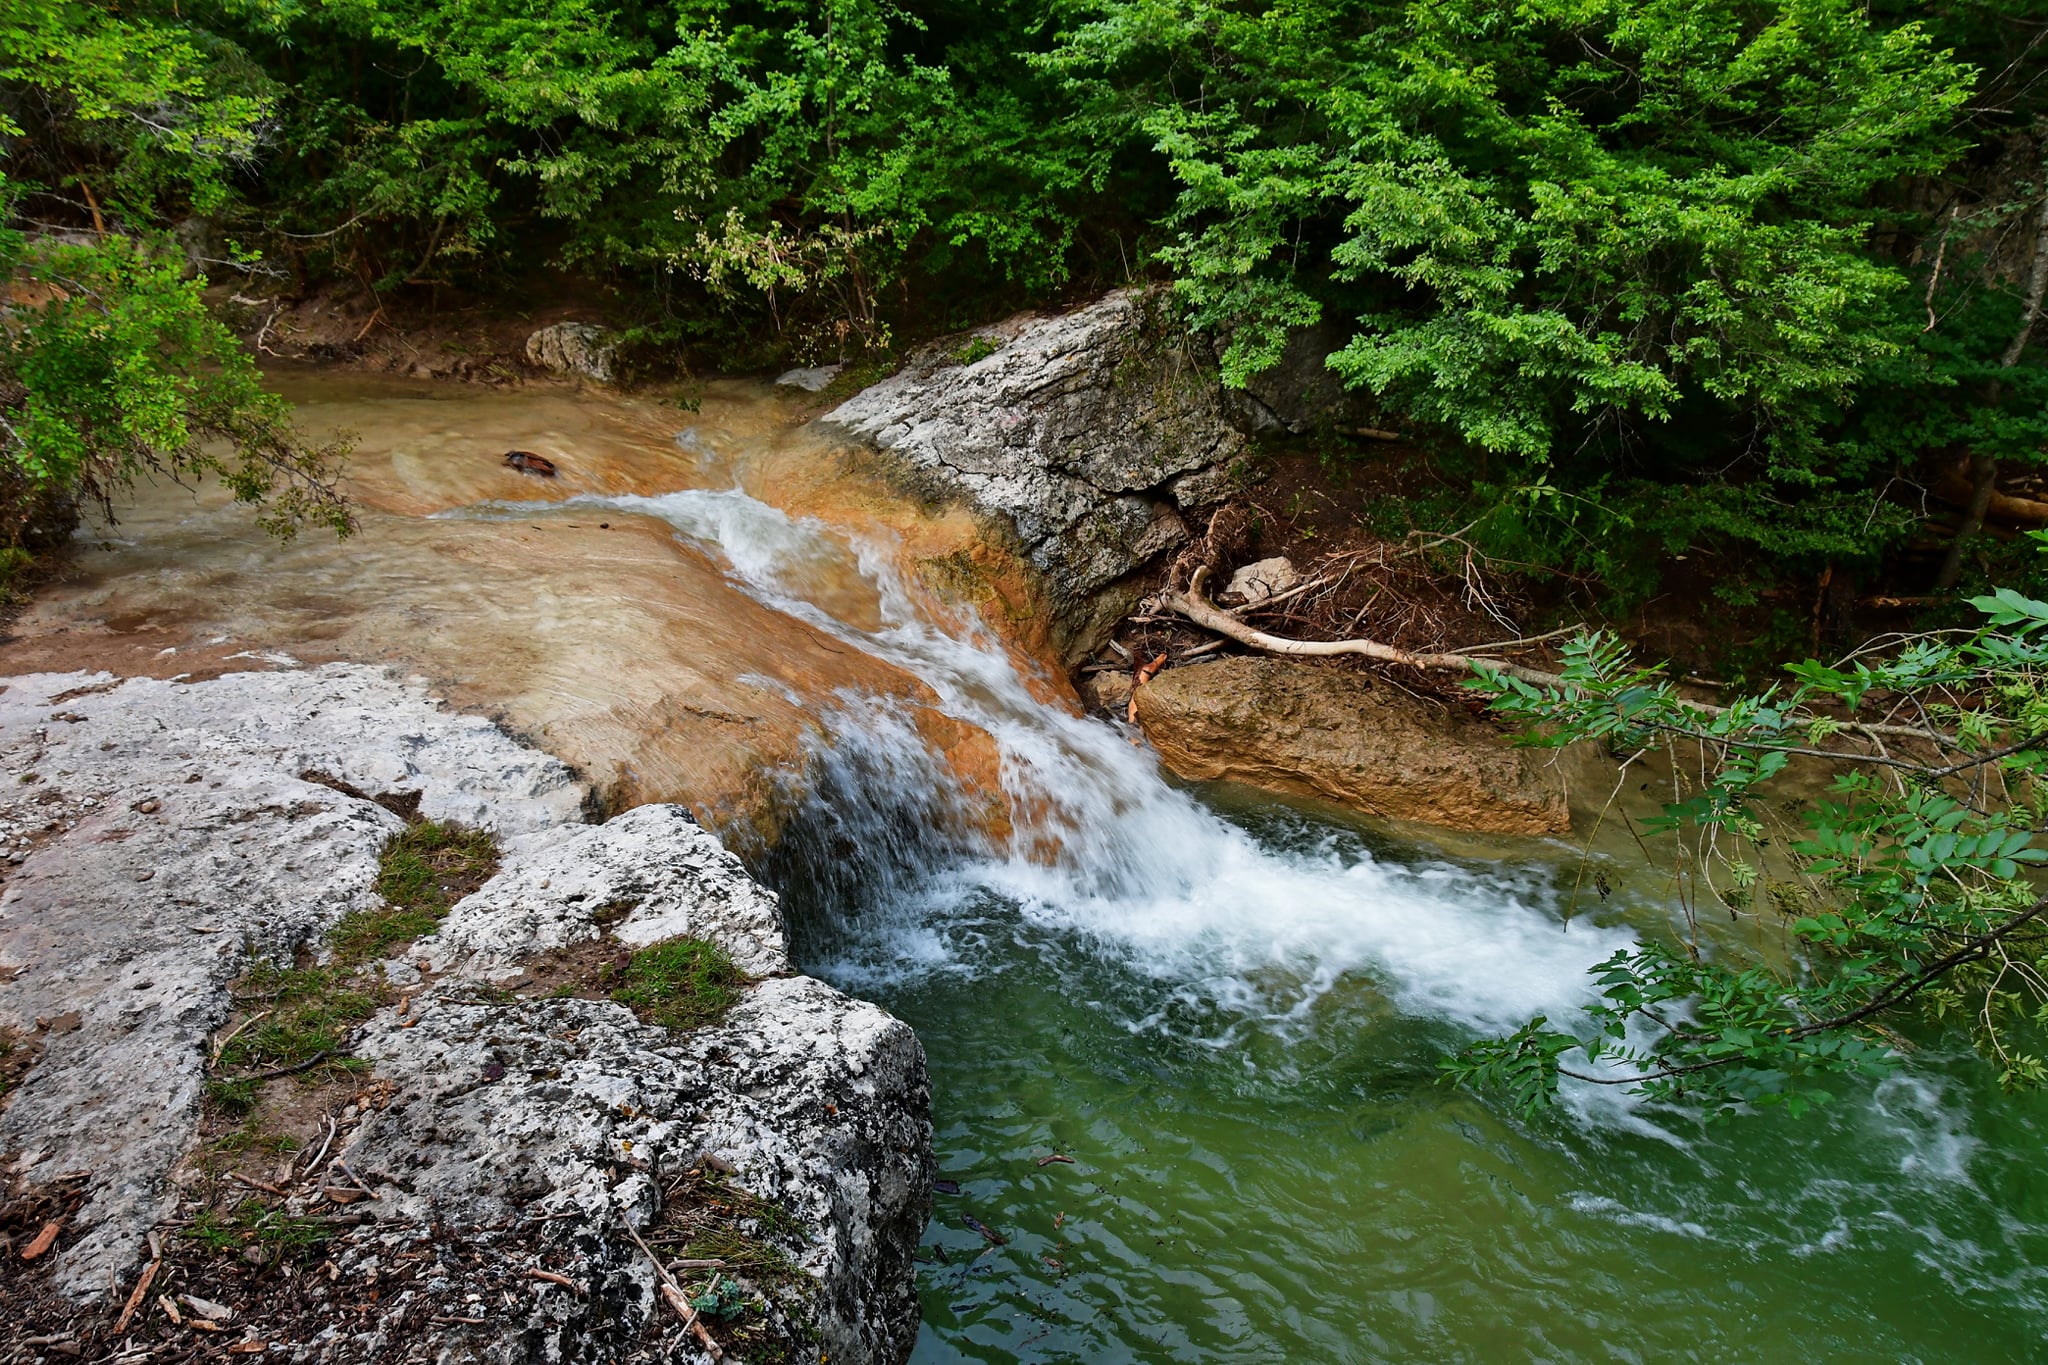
(1909, 888)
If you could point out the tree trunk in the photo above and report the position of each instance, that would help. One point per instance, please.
(1983, 482)
(1984, 468)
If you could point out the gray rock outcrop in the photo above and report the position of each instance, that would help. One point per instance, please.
(1301, 392)
(577, 349)
(168, 835)
(1087, 433)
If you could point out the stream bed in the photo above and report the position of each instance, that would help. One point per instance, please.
(1227, 1012)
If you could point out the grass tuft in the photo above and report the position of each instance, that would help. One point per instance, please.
(312, 1010)
(255, 1224)
(683, 983)
(423, 871)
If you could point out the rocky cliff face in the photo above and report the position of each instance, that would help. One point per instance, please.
(493, 1151)
(1296, 728)
(1088, 434)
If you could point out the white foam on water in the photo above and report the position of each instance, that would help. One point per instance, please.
(1914, 1117)
(1106, 848)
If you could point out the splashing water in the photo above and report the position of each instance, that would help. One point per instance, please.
(1104, 848)
(1229, 1012)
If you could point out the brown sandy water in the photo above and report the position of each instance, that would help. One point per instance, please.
(607, 638)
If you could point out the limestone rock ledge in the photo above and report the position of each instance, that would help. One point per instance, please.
(1088, 432)
(161, 837)
(1342, 737)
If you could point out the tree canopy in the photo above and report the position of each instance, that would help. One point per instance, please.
(1743, 273)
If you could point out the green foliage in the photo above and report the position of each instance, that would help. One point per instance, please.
(977, 349)
(680, 984)
(124, 372)
(423, 870)
(1626, 245)
(311, 1011)
(111, 366)
(1660, 274)
(1914, 887)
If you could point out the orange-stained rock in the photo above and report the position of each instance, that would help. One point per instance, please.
(1306, 730)
(601, 636)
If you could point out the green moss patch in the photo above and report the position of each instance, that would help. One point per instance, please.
(683, 983)
(253, 1223)
(423, 871)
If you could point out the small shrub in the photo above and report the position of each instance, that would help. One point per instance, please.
(683, 983)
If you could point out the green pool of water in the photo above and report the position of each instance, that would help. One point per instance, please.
(1295, 1186)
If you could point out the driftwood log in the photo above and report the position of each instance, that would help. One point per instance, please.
(1195, 605)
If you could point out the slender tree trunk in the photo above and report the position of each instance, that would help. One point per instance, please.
(1984, 468)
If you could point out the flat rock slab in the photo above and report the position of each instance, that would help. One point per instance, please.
(1340, 736)
(188, 845)
(170, 835)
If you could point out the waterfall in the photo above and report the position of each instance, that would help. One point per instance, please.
(884, 859)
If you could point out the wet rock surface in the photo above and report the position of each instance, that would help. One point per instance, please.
(1343, 737)
(171, 835)
(1088, 433)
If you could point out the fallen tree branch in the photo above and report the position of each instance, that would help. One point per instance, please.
(1194, 606)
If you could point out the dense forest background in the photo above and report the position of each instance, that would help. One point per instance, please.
(1751, 283)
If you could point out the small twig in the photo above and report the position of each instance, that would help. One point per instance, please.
(355, 1179)
(552, 1278)
(222, 1045)
(141, 1290)
(320, 1155)
(673, 1293)
(264, 331)
(255, 1184)
(1525, 640)
(294, 1069)
(1277, 598)
(368, 325)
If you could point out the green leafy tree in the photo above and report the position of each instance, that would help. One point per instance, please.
(1906, 894)
(1626, 245)
(111, 366)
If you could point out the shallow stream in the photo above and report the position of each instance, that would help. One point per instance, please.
(1227, 1012)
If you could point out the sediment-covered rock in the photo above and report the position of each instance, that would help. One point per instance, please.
(1341, 736)
(1076, 430)
(167, 836)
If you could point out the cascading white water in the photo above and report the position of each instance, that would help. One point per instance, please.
(1230, 1019)
(1104, 846)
